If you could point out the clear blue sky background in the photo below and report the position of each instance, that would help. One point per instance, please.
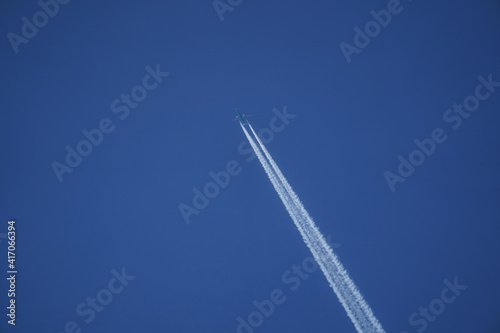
(120, 207)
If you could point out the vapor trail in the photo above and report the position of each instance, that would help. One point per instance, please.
(348, 294)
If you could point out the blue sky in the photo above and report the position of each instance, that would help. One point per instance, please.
(112, 230)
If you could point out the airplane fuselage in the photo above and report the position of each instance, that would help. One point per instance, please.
(241, 117)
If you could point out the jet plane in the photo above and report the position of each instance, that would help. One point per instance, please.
(241, 118)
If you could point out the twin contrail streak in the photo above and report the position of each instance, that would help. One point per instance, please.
(348, 294)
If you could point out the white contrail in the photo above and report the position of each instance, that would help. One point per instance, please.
(321, 258)
(359, 306)
(351, 299)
